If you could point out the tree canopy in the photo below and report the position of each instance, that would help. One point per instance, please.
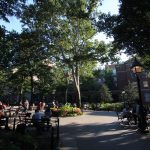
(57, 31)
(130, 28)
(10, 8)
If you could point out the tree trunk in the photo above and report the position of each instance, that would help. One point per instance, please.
(32, 87)
(78, 97)
(66, 93)
(75, 74)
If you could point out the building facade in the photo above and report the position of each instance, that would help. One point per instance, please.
(122, 75)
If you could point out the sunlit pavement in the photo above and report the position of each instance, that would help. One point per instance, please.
(97, 130)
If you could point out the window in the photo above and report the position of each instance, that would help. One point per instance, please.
(147, 97)
(145, 83)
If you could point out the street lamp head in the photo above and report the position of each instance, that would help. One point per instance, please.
(136, 66)
(123, 92)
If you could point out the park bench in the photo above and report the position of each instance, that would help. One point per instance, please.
(45, 125)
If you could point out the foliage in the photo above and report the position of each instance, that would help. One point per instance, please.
(60, 32)
(67, 29)
(111, 106)
(105, 94)
(10, 8)
(130, 28)
(108, 77)
(105, 76)
(66, 110)
(106, 106)
(13, 141)
(131, 92)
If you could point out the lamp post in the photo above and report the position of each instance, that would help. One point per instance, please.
(123, 97)
(137, 69)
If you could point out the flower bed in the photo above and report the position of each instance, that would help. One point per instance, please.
(66, 110)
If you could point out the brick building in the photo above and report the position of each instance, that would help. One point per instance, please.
(122, 75)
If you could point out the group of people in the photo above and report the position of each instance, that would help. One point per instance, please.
(42, 111)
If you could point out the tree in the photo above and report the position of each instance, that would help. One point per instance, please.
(130, 28)
(131, 93)
(68, 28)
(10, 8)
(25, 54)
(105, 94)
(7, 40)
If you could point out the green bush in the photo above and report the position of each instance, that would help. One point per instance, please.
(111, 106)
(13, 141)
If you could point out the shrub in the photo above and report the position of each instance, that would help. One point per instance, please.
(66, 110)
(111, 106)
(13, 141)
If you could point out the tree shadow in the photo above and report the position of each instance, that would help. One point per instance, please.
(103, 136)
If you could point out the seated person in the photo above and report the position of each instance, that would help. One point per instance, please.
(48, 112)
(125, 113)
(38, 115)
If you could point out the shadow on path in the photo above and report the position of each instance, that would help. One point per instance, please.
(101, 113)
(106, 136)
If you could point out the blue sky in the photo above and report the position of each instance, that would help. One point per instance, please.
(108, 6)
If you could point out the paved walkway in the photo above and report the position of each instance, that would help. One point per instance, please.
(97, 130)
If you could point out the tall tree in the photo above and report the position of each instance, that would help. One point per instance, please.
(130, 28)
(68, 28)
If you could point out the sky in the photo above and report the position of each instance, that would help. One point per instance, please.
(107, 6)
(110, 6)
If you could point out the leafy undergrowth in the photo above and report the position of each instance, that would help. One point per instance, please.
(10, 140)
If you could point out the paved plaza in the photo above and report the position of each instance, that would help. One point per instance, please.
(99, 130)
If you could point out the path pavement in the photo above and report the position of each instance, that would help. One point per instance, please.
(96, 130)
